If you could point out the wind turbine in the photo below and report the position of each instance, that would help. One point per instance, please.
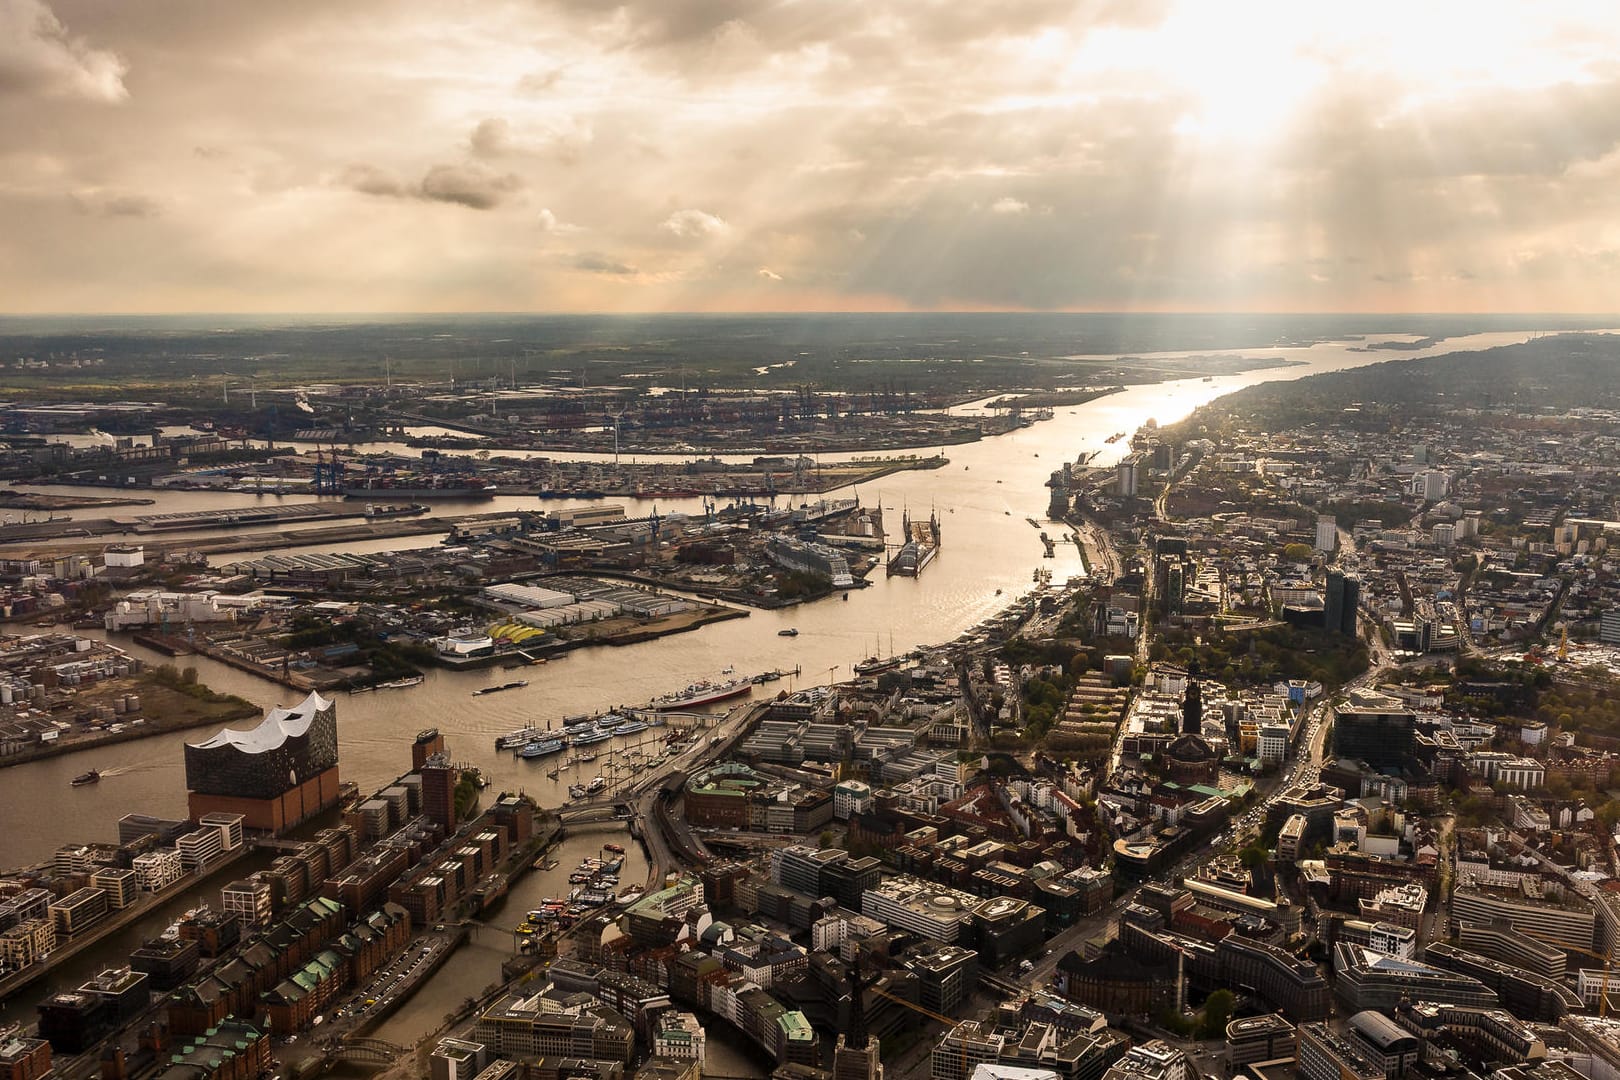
(616, 417)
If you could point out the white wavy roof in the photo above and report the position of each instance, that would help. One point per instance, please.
(274, 730)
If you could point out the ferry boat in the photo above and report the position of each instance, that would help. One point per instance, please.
(609, 721)
(503, 686)
(542, 748)
(631, 727)
(91, 777)
(516, 740)
(594, 736)
(400, 684)
(702, 693)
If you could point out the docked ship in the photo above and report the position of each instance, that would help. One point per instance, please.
(449, 486)
(631, 727)
(595, 735)
(598, 784)
(516, 740)
(91, 777)
(876, 665)
(702, 693)
(543, 748)
(918, 550)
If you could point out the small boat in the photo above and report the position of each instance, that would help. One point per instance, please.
(503, 686)
(617, 849)
(597, 784)
(91, 777)
(789, 632)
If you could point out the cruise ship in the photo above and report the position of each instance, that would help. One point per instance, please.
(702, 693)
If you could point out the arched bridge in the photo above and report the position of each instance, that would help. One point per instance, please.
(369, 1051)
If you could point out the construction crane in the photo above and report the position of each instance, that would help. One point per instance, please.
(1607, 958)
(948, 1021)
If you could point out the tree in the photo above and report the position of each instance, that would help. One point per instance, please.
(1252, 856)
(1297, 553)
(1217, 1012)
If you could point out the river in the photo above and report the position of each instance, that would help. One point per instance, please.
(982, 498)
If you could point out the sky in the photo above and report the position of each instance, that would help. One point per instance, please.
(808, 155)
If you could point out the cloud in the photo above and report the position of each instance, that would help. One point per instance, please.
(694, 225)
(1009, 205)
(470, 185)
(491, 138)
(596, 263)
(768, 274)
(370, 180)
(550, 223)
(115, 204)
(39, 56)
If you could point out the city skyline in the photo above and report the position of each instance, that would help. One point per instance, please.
(717, 155)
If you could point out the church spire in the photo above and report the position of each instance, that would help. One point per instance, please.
(1192, 704)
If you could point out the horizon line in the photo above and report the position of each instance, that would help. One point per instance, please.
(799, 314)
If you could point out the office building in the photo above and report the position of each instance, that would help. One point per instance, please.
(1327, 533)
(1498, 940)
(22, 1058)
(1379, 737)
(439, 791)
(1546, 915)
(1364, 979)
(1384, 1042)
(1340, 600)
(1324, 1055)
(1129, 476)
(78, 911)
(1258, 1038)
